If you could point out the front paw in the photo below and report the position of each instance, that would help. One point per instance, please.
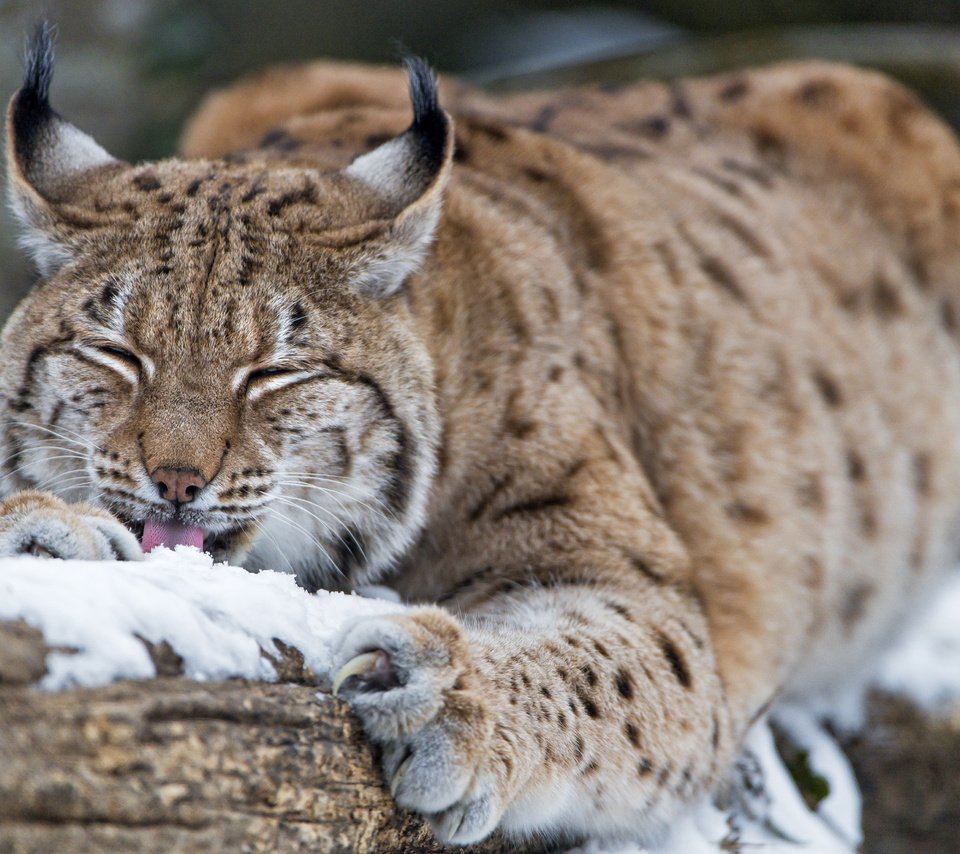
(40, 524)
(411, 681)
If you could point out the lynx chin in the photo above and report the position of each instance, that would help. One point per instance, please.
(652, 392)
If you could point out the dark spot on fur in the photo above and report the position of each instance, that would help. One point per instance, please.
(601, 649)
(770, 147)
(147, 182)
(541, 122)
(855, 604)
(489, 130)
(651, 127)
(856, 468)
(632, 734)
(676, 661)
(279, 139)
(538, 176)
(741, 511)
(619, 610)
(645, 767)
(828, 388)
(304, 195)
(624, 684)
(810, 493)
(817, 93)
(643, 567)
(589, 706)
(948, 315)
(679, 104)
(734, 90)
(517, 421)
(589, 674)
(886, 299)
(720, 274)
(921, 473)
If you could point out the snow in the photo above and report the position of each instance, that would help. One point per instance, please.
(220, 620)
(217, 618)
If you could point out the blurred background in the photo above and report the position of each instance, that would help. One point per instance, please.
(129, 71)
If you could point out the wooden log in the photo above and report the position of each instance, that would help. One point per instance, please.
(172, 765)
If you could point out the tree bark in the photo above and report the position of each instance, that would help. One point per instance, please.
(172, 765)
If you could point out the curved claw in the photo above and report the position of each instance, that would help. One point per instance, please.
(359, 665)
(398, 775)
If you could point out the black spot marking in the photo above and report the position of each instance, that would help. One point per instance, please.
(676, 661)
(856, 467)
(720, 274)
(546, 114)
(855, 604)
(741, 511)
(306, 195)
(948, 315)
(644, 767)
(632, 734)
(886, 299)
(643, 567)
(829, 389)
(734, 90)
(147, 182)
(279, 139)
(624, 684)
(651, 127)
(589, 706)
(817, 93)
(922, 469)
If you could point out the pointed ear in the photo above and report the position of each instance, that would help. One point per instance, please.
(45, 157)
(409, 173)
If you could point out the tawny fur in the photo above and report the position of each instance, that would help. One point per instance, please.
(674, 399)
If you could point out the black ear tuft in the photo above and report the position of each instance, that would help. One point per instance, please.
(429, 121)
(38, 63)
(31, 109)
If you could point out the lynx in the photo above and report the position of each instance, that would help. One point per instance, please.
(646, 397)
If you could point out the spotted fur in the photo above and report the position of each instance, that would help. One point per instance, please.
(653, 391)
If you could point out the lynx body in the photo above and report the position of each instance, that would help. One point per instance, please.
(653, 392)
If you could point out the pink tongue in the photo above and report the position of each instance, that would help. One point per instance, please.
(170, 534)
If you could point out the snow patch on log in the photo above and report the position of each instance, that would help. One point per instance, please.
(221, 621)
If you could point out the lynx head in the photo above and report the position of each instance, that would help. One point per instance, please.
(221, 351)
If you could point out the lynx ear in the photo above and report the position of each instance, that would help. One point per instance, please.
(45, 157)
(409, 172)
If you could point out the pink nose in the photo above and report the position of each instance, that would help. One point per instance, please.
(178, 485)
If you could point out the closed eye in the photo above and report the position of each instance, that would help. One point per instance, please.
(122, 355)
(260, 381)
(116, 358)
(263, 373)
